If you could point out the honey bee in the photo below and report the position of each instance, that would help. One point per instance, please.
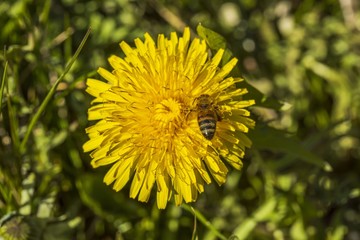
(208, 115)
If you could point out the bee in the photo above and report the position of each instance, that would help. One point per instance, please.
(208, 115)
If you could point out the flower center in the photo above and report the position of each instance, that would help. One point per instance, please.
(168, 113)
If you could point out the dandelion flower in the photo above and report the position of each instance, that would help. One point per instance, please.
(147, 119)
(15, 229)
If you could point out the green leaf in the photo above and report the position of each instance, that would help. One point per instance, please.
(52, 91)
(13, 122)
(260, 99)
(264, 212)
(213, 39)
(3, 85)
(297, 230)
(104, 201)
(338, 233)
(261, 214)
(267, 138)
(62, 230)
(215, 42)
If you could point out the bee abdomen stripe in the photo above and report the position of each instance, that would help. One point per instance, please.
(206, 115)
(207, 124)
(208, 131)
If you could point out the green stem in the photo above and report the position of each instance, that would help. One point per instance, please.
(52, 92)
(3, 86)
(203, 220)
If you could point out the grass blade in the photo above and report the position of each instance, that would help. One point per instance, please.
(203, 220)
(3, 85)
(52, 92)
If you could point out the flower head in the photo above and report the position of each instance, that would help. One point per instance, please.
(15, 229)
(149, 118)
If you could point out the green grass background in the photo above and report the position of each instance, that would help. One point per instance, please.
(301, 178)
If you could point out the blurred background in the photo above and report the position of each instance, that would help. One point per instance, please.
(301, 178)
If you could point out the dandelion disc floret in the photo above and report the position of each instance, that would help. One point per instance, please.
(147, 125)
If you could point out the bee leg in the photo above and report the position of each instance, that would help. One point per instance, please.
(187, 112)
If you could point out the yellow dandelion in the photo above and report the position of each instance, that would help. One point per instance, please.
(153, 126)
